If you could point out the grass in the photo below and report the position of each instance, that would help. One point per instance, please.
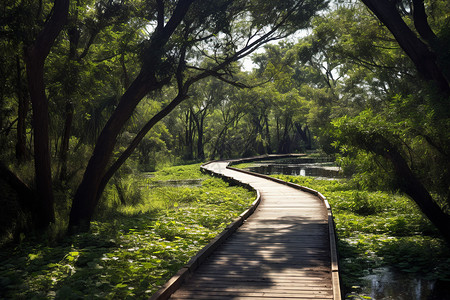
(131, 249)
(377, 229)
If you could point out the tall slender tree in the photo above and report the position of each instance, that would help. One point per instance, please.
(35, 56)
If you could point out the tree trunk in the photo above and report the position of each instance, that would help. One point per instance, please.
(70, 86)
(141, 134)
(200, 148)
(266, 123)
(63, 152)
(35, 56)
(309, 143)
(415, 189)
(219, 147)
(278, 134)
(285, 143)
(408, 182)
(25, 195)
(125, 76)
(43, 176)
(21, 145)
(189, 146)
(421, 23)
(199, 124)
(85, 199)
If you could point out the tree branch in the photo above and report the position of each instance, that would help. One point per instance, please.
(421, 23)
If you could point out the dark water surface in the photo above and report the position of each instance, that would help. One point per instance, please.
(386, 283)
(315, 167)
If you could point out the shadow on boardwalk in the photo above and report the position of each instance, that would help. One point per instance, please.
(281, 252)
(277, 253)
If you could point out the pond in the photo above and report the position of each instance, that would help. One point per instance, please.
(172, 183)
(321, 167)
(176, 183)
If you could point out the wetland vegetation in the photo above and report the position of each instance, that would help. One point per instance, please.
(101, 100)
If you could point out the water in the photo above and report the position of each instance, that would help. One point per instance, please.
(319, 168)
(386, 283)
(173, 183)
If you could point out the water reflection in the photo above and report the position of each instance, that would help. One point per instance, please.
(386, 283)
(325, 170)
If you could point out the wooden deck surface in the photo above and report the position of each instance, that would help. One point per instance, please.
(281, 252)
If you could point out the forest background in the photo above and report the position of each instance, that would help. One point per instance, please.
(92, 91)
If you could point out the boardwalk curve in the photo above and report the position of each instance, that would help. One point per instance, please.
(284, 250)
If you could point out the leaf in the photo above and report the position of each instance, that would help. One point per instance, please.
(33, 256)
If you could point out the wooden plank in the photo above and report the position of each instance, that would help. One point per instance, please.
(284, 256)
(232, 286)
(215, 297)
(267, 297)
(280, 243)
(282, 281)
(295, 295)
(221, 281)
(313, 273)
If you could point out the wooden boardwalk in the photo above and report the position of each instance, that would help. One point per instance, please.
(282, 251)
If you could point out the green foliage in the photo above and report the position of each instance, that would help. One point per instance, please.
(132, 249)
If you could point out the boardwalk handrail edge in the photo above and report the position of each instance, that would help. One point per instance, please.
(331, 225)
(180, 277)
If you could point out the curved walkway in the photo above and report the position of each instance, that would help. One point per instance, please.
(282, 251)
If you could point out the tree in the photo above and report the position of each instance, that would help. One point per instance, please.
(86, 199)
(425, 53)
(375, 134)
(35, 55)
(203, 99)
(184, 31)
(293, 77)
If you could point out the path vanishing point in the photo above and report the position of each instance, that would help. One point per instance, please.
(285, 249)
